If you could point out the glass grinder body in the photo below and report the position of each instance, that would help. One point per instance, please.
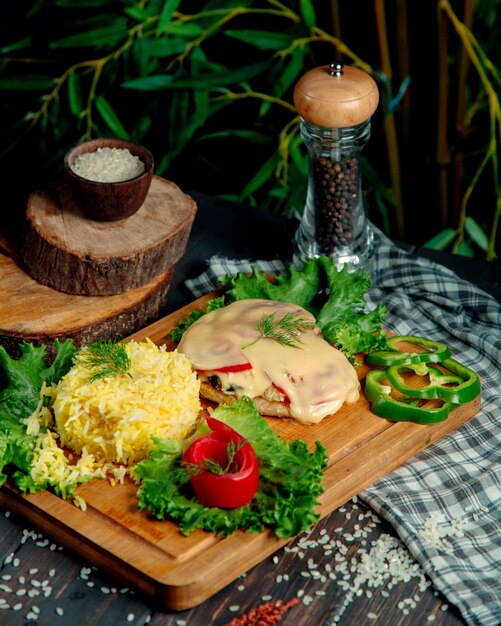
(335, 104)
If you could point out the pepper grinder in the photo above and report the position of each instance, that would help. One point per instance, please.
(335, 103)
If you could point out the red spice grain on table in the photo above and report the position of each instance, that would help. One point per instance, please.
(265, 614)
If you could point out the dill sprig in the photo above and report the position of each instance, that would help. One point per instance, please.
(287, 331)
(110, 357)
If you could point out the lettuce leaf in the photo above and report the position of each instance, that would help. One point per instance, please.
(18, 400)
(16, 446)
(336, 299)
(192, 317)
(299, 287)
(290, 481)
(27, 374)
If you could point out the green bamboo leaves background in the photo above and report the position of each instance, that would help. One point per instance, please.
(207, 86)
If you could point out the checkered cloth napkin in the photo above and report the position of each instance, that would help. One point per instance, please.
(445, 504)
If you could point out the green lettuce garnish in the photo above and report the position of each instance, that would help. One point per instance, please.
(336, 299)
(16, 447)
(290, 481)
(216, 303)
(27, 374)
(19, 398)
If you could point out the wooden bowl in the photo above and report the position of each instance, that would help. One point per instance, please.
(109, 200)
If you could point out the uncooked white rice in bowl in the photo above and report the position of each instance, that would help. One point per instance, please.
(108, 165)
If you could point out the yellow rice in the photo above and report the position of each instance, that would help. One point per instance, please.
(113, 418)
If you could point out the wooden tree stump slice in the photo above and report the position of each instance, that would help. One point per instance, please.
(38, 314)
(71, 253)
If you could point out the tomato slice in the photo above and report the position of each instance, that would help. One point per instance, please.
(241, 367)
(286, 399)
(239, 482)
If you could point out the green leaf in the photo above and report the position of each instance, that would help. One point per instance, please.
(476, 233)
(298, 287)
(335, 298)
(101, 36)
(465, 249)
(111, 118)
(170, 6)
(27, 374)
(189, 30)
(290, 481)
(343, 319)
(265, 172)
(184, 324)
(201, 114)
(74, 94)
(162, 47)
(181, 125)
(308, 13)
(164, 162)
(294, 67)
(28, 82)
(441, 240)
(223, 77)
(21, 44)
(264, 108)
(37, 6)
(141, 128)
(137, 13)
(262, 40)
(141, 63)
(298, 156)
(88, 20)
(54, 114)
(158, 82)
(16, 447)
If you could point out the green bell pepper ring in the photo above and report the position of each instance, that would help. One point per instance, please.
(403, 410)
(436, 352)
(466, 383)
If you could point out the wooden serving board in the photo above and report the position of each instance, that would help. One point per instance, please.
(176, 572)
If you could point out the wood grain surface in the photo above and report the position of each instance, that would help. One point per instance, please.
(176, 572)
(65, 250)
(38, 314)
(336, 101)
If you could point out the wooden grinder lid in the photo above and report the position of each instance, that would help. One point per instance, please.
(335, 96)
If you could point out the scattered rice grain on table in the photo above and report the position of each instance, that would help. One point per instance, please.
(385, 563)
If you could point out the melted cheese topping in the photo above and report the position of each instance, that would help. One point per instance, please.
(316, 377)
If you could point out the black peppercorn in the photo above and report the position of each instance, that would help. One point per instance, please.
(335, 200)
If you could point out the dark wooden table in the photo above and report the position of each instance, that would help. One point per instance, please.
(41, 582)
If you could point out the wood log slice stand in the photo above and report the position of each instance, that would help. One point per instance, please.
(79, 279)
(71, 253)
(38, 314)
